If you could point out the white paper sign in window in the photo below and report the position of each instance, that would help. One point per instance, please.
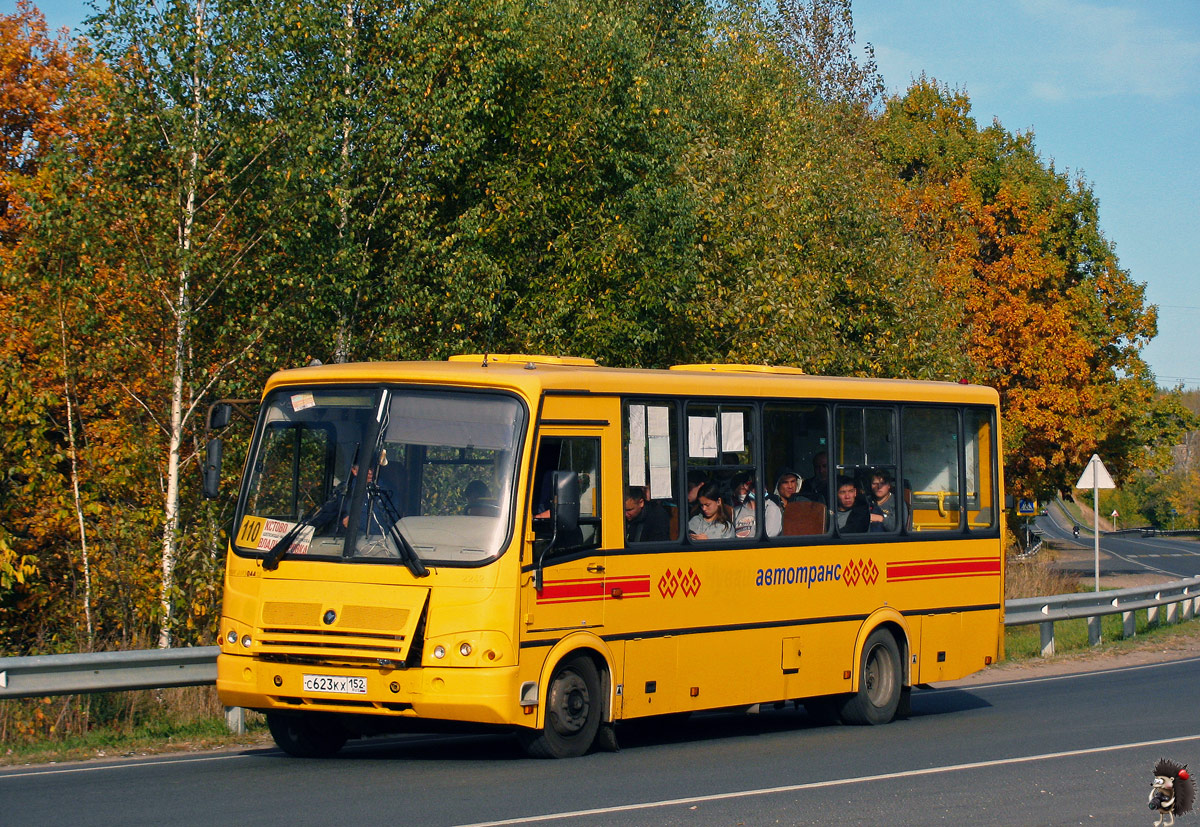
(733, 436)
(637, 444)
(702, 436)
(658, 431)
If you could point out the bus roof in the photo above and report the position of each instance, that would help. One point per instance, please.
(532, 375)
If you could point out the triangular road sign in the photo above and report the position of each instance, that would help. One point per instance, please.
(1095, 475)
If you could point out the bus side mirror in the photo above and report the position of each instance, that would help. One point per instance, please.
(564, 508)
(564, 517)
(219, 415)
(212, 469)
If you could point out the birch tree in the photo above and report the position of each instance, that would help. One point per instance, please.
(190, 147)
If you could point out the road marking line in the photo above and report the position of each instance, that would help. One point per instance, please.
(5, 776)
(814, 785)
(1024, 681)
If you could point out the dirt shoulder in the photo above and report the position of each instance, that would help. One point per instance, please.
(1178, 643)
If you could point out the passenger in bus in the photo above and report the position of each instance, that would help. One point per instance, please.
(715, 520)
(852, 514)
(479, 500)
(695, 479)
(816, 487)
(785, 491)
(375, 517)
(646, 521)
(744, 504)
(884, 507)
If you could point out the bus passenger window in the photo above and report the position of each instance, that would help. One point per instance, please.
(980, 450)
(796, 439)
(931, 467)
(865, 455)
(651, 472)
(721, 472)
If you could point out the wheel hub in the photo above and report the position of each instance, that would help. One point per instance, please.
(569, 703)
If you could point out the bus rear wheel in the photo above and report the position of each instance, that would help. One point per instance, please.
(306, 736)
(880, 682)
(572, 712)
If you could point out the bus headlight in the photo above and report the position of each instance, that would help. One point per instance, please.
(246, 641)
(232, 637)
(439, 652)
(464, 649)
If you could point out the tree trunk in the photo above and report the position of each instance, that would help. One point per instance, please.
(182, 313)
(72, 452)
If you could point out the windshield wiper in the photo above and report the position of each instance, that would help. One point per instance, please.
(318, 519)
(408, 554)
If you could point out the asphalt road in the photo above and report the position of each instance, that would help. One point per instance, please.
(1129, 554)
(1075, 749)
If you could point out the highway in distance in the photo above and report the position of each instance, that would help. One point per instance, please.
(1074, 749)
(1172, 558)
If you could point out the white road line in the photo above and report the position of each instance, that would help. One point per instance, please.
(126, 766)
(699, 799)
(1027, 681)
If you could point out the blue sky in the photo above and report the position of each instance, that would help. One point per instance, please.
(1110, 89)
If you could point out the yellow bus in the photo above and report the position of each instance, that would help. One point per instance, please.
(551, 546)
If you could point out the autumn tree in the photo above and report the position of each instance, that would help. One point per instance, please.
(1044, 311)
(183, 217)
(50, 108)
(810, 265)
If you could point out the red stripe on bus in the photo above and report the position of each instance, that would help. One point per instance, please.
(932, 569)
(598, 588)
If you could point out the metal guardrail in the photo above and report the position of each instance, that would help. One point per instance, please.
(1181, 597)
(41, 675)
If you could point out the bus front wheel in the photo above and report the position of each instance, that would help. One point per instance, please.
(880, 682)
(306, 736)
(572, 712)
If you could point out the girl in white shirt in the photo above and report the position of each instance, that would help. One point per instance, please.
(715, 520)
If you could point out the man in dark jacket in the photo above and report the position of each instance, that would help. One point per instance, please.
(852, 513)
(645, 520)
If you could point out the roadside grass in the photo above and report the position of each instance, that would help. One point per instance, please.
(1070, 636)
(117, 724)
(1037, 577)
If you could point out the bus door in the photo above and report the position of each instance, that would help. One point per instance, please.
(572, 593)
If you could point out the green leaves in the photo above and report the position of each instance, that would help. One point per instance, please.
(245, 186)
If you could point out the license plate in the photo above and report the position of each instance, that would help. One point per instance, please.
(340, 684)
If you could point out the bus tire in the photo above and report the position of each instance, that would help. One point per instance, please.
(307, 736)
(573, 707)
(880, 682)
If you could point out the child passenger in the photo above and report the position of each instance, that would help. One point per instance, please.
(744, 505)
(883, 503)
(715, 518)
(785, 491)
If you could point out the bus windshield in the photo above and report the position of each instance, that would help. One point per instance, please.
(382, 474)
